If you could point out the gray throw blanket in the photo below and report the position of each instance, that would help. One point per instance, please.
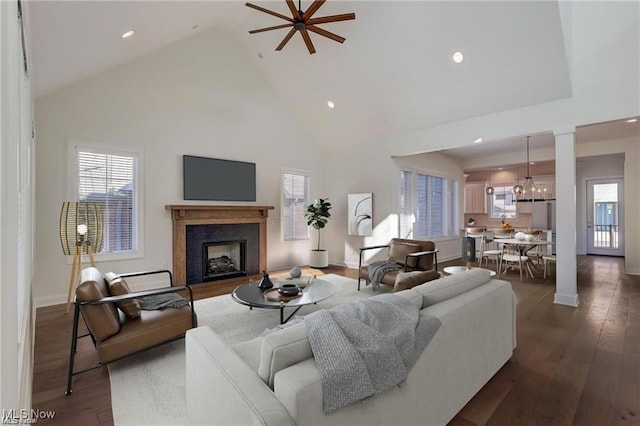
(365, 347)
(159, 301)
(378, 269)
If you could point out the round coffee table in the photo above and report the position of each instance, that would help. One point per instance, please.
(253, 297)
(457, 269)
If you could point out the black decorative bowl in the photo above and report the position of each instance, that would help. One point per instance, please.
(288, 289)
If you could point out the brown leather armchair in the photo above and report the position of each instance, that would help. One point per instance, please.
(117, 325)
(412, 255)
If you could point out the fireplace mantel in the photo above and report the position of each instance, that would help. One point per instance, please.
(183, 215)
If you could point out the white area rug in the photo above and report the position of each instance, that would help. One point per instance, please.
(149, 388)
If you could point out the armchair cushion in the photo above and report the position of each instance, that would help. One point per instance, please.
(118, 287)
(102, 319)
(406, 280)
(399, 250)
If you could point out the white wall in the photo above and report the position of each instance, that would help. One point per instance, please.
(630, 149)
(16, 215)
(604, 57)
(610, 166)
(199, 96)
(370, 168)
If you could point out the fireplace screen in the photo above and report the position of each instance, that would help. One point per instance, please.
(223, 259)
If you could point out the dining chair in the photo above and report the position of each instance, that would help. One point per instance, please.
(512, 258)
(491, 248)
(549, 258)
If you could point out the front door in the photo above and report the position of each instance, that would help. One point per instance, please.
(605, 217)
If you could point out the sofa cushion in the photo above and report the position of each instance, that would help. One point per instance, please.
(103, 318)
(118, 287)
(281, 349)
(399, 251)
(405, 280)
(452, 285)
(412, 296)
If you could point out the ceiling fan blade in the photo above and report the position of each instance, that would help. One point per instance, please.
(307, 41)
(293, 9)
(286, 39)
(312, 9)
(270, 12)
(326, 33)
(332, 18)
(276, 27)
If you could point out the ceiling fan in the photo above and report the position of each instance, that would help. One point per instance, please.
(303, 22)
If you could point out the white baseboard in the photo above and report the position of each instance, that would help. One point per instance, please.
(51, 300)
(632, 271)
(566, 299)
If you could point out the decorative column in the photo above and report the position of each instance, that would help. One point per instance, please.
(566, 269)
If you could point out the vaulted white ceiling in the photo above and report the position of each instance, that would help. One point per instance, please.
(393, 74)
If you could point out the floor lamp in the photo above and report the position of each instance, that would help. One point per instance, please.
(81, 233)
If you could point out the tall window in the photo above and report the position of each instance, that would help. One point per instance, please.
(428, 205)
(295, 197)
(111, 178)
(503, 204)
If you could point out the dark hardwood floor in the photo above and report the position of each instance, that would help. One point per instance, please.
(572, 366)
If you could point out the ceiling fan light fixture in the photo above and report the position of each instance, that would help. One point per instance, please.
(303, 22)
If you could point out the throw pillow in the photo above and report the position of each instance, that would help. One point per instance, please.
(118, 287)
(405, 280)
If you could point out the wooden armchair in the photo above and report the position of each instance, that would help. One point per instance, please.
(115, 322)
(411, 255)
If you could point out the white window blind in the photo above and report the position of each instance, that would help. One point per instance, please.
(429, 201)
(405, 210)
(111, 181)
(295, 198)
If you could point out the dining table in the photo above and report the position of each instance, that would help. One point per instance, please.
(524, 246)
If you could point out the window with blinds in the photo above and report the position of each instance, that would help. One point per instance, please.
(295, 198)
(405, 209)
(111, 180)
(428, 205)
(503, 203)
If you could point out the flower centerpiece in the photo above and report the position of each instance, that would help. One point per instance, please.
(317, 216)
(471, 221)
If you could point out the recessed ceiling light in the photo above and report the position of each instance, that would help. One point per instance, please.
(458, 57)
(478, 140)
(330, 104)
(631, 120)
(128, 34)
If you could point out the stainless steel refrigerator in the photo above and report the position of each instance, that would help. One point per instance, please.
(544, 215)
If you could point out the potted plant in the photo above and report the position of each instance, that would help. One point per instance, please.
(317, 216)
(471, 222)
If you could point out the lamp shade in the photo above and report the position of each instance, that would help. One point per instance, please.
(79, 222)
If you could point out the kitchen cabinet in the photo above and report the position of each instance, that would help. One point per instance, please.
(475, 199)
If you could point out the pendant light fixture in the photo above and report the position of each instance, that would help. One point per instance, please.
(517, 188)
(528, 192)
(490, 190)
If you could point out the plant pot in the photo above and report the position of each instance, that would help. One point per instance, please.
(319, 258)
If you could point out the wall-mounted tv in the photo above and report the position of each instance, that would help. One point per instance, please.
(214, 179)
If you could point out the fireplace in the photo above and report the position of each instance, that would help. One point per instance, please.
(223, 259)
(194, 225)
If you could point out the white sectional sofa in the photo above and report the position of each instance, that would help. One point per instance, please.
(273, 379)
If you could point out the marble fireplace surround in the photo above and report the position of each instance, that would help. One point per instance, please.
(183, 215)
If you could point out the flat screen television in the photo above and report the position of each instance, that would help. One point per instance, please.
(213, 179)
